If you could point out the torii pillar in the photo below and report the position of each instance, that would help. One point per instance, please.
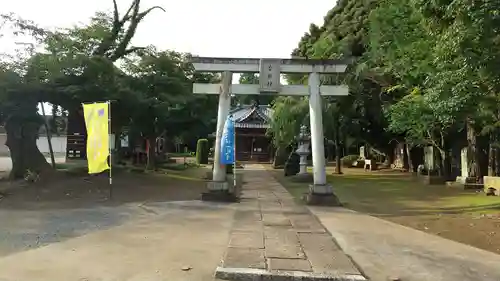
(320, 192)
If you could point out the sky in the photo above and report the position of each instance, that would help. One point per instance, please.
(217, 28)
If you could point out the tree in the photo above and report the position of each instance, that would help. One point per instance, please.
(468, 51)
(289, 114)
(162, 87)
(76, 66)
(344, 34)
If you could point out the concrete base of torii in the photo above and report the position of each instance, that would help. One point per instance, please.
(220, 191)
(321, 199)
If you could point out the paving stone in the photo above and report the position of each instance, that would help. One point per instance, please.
(267, 208)
(275, 219)
(248, 215)
(325, 256)
(289, 264)
(297, 210)
(244, 258)
(282, 243)
(247, 225)
(306, 223)
(247, 239)
(250, 193)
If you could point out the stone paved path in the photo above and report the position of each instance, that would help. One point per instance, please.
(273, 236)
(385, 250)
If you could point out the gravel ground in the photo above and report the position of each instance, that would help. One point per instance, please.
(22, 230)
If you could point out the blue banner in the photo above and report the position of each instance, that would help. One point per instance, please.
(227, 143)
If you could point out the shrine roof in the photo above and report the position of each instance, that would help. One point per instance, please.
(252, 116)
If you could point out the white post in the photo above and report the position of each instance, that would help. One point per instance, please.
(318, 147)
(219, 173)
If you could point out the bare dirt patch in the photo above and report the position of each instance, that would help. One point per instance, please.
(80, 190)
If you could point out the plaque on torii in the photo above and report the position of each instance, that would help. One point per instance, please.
(270, 71)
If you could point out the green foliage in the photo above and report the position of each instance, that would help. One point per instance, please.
(344, 33)
(289, 114)
(422, 68)
(202, 151)
(151, 88)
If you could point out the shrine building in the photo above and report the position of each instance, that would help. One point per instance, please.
(251, 124)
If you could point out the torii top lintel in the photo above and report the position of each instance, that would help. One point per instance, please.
(251, 65)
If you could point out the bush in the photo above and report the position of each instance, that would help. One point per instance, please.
(348, 160)
(292, 166)
(202, 151)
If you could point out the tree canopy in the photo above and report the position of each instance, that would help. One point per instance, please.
(150, 89)
(424, 72)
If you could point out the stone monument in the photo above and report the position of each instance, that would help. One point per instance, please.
(464, 166)
(304, 140)
(362, 153)
(429, 159)
(303, 149)
(465, 179)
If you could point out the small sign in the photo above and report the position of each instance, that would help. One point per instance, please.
(269, 75)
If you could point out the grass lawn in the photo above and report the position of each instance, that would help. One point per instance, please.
(466, 216)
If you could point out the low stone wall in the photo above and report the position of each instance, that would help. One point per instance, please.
(491, 185)
(58, 145)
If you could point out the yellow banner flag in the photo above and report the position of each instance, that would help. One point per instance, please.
(96, 121)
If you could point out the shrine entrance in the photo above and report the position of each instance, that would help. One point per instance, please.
(270, 71)
(251, 124)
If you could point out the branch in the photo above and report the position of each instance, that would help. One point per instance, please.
(116, 16)
(133, 50)
(431, 140)
(134, 22)
(145, 13)
(127, 15)
(109, 41)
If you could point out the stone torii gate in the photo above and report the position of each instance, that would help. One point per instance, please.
(269, 84)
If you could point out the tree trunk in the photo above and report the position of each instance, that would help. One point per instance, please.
(491, 156)
(22, 134)
(445, 164)
(390, 158)
(280, 157)
(49, 135)
(338, 165)
(482, 143)
(151, 151)
(406, 158)
(497, 160)
(411, 167)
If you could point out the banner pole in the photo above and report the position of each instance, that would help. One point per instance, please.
(109, 147)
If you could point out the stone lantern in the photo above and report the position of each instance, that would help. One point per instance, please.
(304, 140)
